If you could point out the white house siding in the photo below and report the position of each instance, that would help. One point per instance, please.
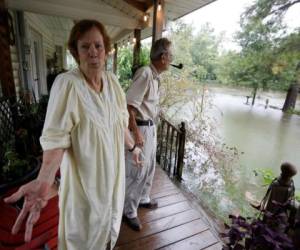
(54, 32)
(38, 24)
(15, 64)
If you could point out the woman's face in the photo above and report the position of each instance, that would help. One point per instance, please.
(91, 50)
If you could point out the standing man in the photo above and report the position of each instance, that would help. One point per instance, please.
(142, 104)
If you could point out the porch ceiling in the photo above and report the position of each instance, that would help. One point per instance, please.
(119, 16)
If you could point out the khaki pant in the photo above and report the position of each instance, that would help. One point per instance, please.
(139, 179)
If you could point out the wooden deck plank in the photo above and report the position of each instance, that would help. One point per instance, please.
(163, 193)
(146, 216)
(166, 237)
(170, 199)
(160, 184)
(176, 224)
(160, 176)
(127, 235)
(197, 242)
(158, 188)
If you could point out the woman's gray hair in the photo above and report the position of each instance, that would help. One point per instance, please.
(158, 48)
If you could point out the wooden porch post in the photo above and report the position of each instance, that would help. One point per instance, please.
(136, 50)
(6, 39)
(158, 19)
(115, 65)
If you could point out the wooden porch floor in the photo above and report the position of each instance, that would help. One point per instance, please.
(174, 225)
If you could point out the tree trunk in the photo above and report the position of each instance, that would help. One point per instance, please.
(291, 97)
(254, 95)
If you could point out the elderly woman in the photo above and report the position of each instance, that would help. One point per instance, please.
(84, 133)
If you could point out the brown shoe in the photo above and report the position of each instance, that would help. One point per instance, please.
(150, 205)
(134, 223)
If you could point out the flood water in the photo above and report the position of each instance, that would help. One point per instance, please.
(265, 137)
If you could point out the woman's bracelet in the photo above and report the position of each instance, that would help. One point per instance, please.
(133, 148)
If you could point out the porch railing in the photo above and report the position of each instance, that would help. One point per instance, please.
(170, 147)
(6, 124)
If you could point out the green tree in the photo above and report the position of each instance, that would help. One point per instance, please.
(181, 36)
(274, 10)
(125, 57)
(258, 42)
(198, 53)
(125, 60)
(204, 52)
(229, 67)
(268, 55)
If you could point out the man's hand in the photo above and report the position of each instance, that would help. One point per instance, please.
(137, 156)
(35, 198)
(138, 138)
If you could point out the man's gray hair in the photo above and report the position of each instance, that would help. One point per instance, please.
(159, 47)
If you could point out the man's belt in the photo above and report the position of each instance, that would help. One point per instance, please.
(144, 122)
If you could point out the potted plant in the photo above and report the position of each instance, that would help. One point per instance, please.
(16, 169)
(30, 118)
(256, 233)
(19, 157)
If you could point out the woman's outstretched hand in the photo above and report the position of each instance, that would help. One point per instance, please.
(35, 195)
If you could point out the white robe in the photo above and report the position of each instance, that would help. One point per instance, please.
(90, 126)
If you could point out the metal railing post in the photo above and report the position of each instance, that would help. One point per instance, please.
(170, 159)
(181, 151)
